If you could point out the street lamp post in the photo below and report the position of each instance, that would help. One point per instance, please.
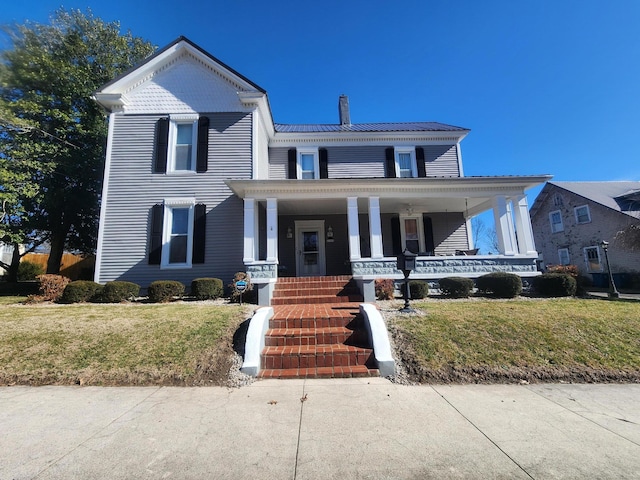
(613, 292)
(406, 262)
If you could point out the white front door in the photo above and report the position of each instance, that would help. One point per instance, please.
(310, 257)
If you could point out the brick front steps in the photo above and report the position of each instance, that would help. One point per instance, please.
(317, 341)
(314, 290)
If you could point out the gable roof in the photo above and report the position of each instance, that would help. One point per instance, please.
(622, 196)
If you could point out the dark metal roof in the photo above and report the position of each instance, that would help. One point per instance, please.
(369, 127)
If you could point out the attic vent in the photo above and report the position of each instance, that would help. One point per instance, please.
(343, 109)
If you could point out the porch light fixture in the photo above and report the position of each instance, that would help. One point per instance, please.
(330, 233)
(289, 232)
(613, 292)
(406, 262)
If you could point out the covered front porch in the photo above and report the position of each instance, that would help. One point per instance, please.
(298, 228)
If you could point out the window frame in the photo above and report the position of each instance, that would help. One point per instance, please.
(396, 157)
(586, 258)
(403, 232)
(553, 230)
(169, 205)
(568, 256)
(575, 212)
(174, 121)
(316, 162)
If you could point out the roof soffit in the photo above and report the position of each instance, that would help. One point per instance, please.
(354, 138)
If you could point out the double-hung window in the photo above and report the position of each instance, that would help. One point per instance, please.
(406, 162)
(563, 256)
(182, 144)
(582, 214)
(183, 137)
(177, 235)
(308, 164)
(555, 218)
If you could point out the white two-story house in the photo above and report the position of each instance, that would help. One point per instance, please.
(201, 182)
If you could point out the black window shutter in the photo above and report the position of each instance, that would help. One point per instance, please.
(199, 232)
(202, 162)
(427, 225)
(422, 171)
(396, 240)
(292, 171)
(324, 163)
(155, 235)
(390, 163)
(162, 145)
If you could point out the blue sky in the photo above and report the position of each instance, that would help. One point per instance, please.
(544, 86)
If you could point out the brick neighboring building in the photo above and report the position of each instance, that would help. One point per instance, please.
(571, 219)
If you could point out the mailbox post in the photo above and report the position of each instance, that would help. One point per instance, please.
(406, 263)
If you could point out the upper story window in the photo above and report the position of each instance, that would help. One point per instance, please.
(308, 163)
(555, 218)
(557, 200)
(406, 163)
(563, 256)
(582, 214)
(183, 135)
(182, 144)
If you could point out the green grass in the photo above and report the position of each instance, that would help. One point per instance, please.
(180, 343)
(488, 340)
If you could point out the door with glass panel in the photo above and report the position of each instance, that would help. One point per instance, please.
(310, 255)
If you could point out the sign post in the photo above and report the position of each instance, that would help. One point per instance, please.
(241, 286)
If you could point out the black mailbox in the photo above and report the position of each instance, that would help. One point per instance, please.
(407, 261)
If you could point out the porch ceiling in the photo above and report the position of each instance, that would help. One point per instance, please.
(471, 195)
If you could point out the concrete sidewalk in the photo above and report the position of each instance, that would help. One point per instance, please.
(347, 429)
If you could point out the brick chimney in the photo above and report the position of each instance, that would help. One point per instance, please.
(343, 109)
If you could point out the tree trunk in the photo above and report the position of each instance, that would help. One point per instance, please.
(57, 241)
(12, 273)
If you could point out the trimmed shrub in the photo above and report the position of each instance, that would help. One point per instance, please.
(555, 285)
(384, 288)
(246, 296)
(456, 287)
(80, 291)
(29, 271)
(500, 284)
(418, 289)
(207, 288)
(162, 291)
(118, 291)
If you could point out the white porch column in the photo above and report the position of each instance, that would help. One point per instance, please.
(272, 230)
(504, 226)
(354, 228)
(375, 227)
(526, 244)
(249, 230)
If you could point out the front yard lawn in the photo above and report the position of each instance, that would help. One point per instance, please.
(482, 340)
(183, 343)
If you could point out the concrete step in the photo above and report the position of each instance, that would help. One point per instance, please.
(319, 372)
